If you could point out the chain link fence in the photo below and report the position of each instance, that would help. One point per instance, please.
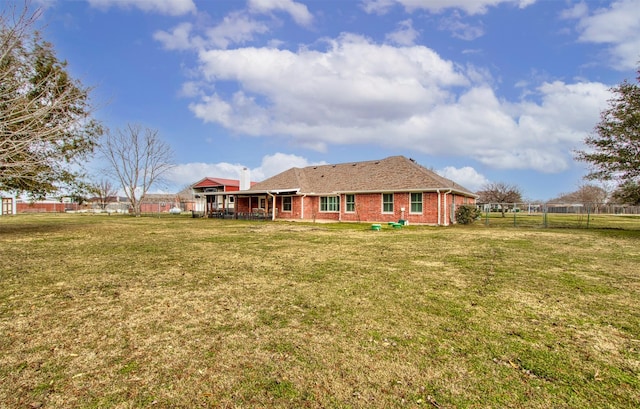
(560, 215)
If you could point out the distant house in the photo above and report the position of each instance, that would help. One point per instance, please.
(213, 196)
(165, 202)
(386, 190)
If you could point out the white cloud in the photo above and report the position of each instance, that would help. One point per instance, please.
(279, 162)
(298, 11)
(436, 6)
(358, 92)
(188, 173)
(522, 135)
(235, 28)
(579, 10)
(168, 7)
(466, 176)
(617, 26)
(190, 89)
(177, 39)
(404, 35)
(460, 29)
(353, 84)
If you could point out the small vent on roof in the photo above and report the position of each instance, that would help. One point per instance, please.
(353, 164)
(412, 160)
(315, 167)
(334, 166)
(377, 162)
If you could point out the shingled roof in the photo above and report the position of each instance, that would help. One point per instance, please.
(392, 174)
(211, 182)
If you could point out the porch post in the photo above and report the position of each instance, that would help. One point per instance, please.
(273, 211)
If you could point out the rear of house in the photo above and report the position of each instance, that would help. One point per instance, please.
(386, 190)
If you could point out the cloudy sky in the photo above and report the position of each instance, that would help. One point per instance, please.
(478, 90)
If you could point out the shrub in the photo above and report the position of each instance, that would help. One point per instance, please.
(467, 214)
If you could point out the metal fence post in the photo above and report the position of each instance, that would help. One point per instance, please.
(486, 219)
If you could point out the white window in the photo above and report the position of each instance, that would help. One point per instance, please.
(329, 204)
(387, 203)
(416, 203)
(350, 203)
(286, 204)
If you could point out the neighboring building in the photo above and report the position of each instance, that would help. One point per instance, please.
(47, 205)
(166, 202)
(391, 189)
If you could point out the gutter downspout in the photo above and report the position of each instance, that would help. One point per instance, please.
(302, 206)
(438, 223)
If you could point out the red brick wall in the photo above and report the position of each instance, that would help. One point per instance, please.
(368, 208)
(45, 207)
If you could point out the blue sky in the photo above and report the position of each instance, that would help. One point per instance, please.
(478, 90)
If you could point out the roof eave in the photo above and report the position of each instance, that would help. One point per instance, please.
(431, 189)
(295, 190)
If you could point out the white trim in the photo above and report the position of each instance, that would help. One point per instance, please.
(345, 203)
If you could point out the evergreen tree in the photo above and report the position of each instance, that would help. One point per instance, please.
(46, 128)
(614, 147)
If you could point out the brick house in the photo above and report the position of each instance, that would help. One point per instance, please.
(386, 190)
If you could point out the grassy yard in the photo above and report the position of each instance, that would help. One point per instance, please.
(101, 312)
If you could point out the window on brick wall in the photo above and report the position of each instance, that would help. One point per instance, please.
(329, 204)
(350, 203)
(286, 204)
(416, 202)
(387, 203)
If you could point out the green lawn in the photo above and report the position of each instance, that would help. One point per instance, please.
(113, 311)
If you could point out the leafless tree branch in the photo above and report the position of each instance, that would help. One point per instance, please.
(138, 159)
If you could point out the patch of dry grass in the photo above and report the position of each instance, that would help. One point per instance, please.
(120, 312)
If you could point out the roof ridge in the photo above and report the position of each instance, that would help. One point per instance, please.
(350, 163)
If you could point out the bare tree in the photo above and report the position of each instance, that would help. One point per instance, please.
(45, 115)
(500, 193)
(104, 191)
(586, 194)
(138, 159)
(590, 194)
